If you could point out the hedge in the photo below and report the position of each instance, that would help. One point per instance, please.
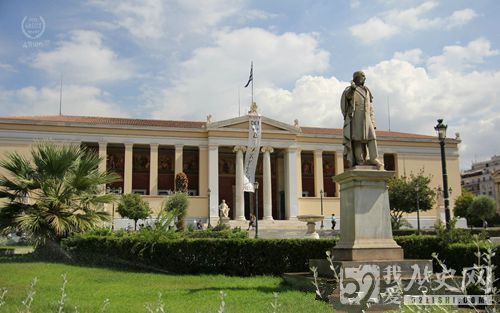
(242, 257)
(489, 232)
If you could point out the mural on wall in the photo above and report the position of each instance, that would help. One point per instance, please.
(227, 164)
(166, 163)
(190, 161)
(307, 164)
(328, 165)
(140, 161)
(115, 161)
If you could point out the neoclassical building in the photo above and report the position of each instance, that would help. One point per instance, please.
(294, 170)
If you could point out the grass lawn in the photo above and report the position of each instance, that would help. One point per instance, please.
(87, 288)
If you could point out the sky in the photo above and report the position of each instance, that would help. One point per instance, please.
(186, 59)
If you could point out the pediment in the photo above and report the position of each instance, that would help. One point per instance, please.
(241, 123)
(496, 176)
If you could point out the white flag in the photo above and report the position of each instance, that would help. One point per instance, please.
(252, 153)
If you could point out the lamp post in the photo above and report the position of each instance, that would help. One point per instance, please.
(256, 186)
(417, 189)
(321, 200)
(441, 130)
(114, 191)
(209, 225)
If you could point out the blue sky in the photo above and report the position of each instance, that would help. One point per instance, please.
(186, 59)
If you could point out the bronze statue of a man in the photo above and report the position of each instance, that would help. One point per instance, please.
(359, 124)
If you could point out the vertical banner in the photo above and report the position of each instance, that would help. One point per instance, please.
(252, 153)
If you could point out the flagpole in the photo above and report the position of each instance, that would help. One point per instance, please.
(252, 82)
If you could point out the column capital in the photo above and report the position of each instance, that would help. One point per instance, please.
(129, 145)
(267, 149)
(179, 146)
(154, 145)
(213, 146)
(103, 144)
(239, 148)
(293, 149)
(318, 152)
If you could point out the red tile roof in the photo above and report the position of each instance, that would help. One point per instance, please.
(380, 133)
(97, 120)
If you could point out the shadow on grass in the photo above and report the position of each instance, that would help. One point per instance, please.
(282, 287)
(125, 266)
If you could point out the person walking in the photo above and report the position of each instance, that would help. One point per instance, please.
(334, 221)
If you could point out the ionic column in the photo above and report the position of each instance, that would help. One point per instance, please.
(178, 158)
(103, 154)
(268, 199)
(203, 171)
(339, 168)
(153, 169)
(291, 191)
(318, 172)
(239, 206)
(127, 177)
(213, 181)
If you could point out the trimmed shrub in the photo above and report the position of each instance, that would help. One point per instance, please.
(419, 247)
(460, 255)
(241, 257)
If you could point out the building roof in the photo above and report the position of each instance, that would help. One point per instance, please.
(98, 120)
(110, 121)
(380, 133)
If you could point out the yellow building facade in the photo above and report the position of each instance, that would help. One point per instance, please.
(294, 170)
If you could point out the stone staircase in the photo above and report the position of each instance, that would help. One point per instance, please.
(279, 229)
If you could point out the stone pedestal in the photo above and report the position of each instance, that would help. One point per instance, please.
(224, 220)
(365, 224)
(311, 225)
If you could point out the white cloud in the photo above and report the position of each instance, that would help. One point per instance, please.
(158, 19)
(458, 58)
(7, 67)
(413, 56)
(76, 100)
(417, 96)
(210, 79)
(83, 58)
(461, 17)
(373, 30)
(390, 23)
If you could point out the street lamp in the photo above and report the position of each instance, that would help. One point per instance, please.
(417, 189)
(321, 199)
(114, 191)
(209, 225)
(441, 131)
(256, 186)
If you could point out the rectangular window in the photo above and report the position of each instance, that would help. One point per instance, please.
(389, 161)
(328, 173)
(307, 170)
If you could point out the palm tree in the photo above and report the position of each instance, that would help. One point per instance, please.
(57, 192)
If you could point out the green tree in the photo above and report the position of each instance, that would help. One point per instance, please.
(56, 192)
(483, 207)
(178, 203)
(403, 196)
(133, 206)
(462, 205)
